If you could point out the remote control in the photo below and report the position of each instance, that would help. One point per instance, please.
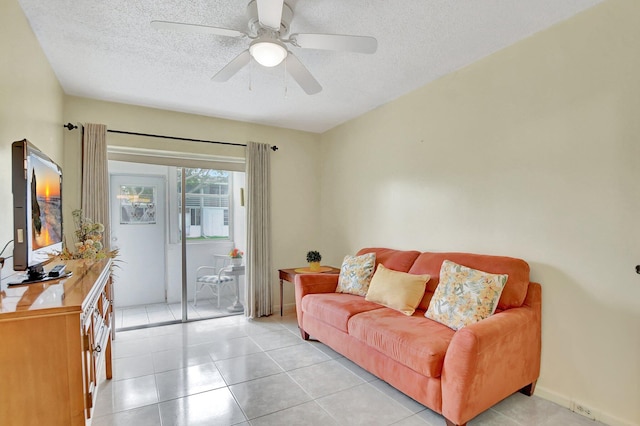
(57, 270)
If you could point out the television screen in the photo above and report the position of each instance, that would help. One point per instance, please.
(37, 203)
(46, 203)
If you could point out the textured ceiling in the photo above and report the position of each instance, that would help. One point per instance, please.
(107, 50)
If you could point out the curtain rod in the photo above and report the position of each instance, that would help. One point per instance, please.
(70, 126)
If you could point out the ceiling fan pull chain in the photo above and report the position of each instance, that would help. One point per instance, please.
(251, 77)
(284, 80)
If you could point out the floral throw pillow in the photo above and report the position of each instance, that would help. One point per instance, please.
(356, 273)
(464, 296)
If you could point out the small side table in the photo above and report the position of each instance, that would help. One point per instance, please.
(236, 271)
(290, 276)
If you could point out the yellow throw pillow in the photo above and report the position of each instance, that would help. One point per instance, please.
(397, 290)
(464, 295)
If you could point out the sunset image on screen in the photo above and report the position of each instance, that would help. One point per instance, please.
(48, 182)
(46, 203)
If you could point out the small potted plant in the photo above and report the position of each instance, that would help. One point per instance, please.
(236, 256)
(314, 258)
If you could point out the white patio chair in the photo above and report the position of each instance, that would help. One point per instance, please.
(213, 278)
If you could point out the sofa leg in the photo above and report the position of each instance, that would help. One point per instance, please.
(529, 389)
(450, 423)
(304, 334)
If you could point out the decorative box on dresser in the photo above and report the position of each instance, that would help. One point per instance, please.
(55, 337)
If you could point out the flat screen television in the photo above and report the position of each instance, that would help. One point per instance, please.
(37, 208)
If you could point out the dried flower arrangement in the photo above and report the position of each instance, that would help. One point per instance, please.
(88, 240)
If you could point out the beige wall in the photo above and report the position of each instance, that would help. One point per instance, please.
(31, 102)
(295, 169)
(532, 152)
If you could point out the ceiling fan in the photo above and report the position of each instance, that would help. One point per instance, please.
(268, 30)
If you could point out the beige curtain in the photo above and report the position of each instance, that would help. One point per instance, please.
(95, 177)
(258, 176)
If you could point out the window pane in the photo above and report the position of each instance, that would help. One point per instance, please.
(137, 204)
(207, 203)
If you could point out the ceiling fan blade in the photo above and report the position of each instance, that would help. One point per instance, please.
(270, 13)
(347, 43)
(167, 25)
(301, 75)
(232, 67)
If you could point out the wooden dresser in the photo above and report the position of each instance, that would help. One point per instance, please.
(54, 338)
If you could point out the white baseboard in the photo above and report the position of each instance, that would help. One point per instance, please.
(288, 308)
(565, 401)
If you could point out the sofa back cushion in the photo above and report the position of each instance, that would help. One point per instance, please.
(397, 260)
(514, 291)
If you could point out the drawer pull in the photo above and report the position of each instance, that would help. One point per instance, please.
(97, 349)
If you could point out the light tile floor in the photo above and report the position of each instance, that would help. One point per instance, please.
(234, 371)
(144, 315)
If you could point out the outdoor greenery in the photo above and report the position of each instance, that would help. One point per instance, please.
(207, 181)
(206, 189)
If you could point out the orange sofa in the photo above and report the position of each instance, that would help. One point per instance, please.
(458, 374)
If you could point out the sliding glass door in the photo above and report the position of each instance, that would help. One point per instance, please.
(160, 277)
(212, 219)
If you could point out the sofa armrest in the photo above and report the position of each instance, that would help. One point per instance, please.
(491, 359)
(312, 283)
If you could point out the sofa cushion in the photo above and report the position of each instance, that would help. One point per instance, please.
(398, 260)
(514, 291)
(336, 309)
(356, 273)
(417, 342)
(396, 290)
(464, 295)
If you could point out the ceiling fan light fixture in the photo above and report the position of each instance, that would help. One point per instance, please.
(268, 53)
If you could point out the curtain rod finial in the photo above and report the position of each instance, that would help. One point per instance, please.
(274, 148)
(69, 126)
